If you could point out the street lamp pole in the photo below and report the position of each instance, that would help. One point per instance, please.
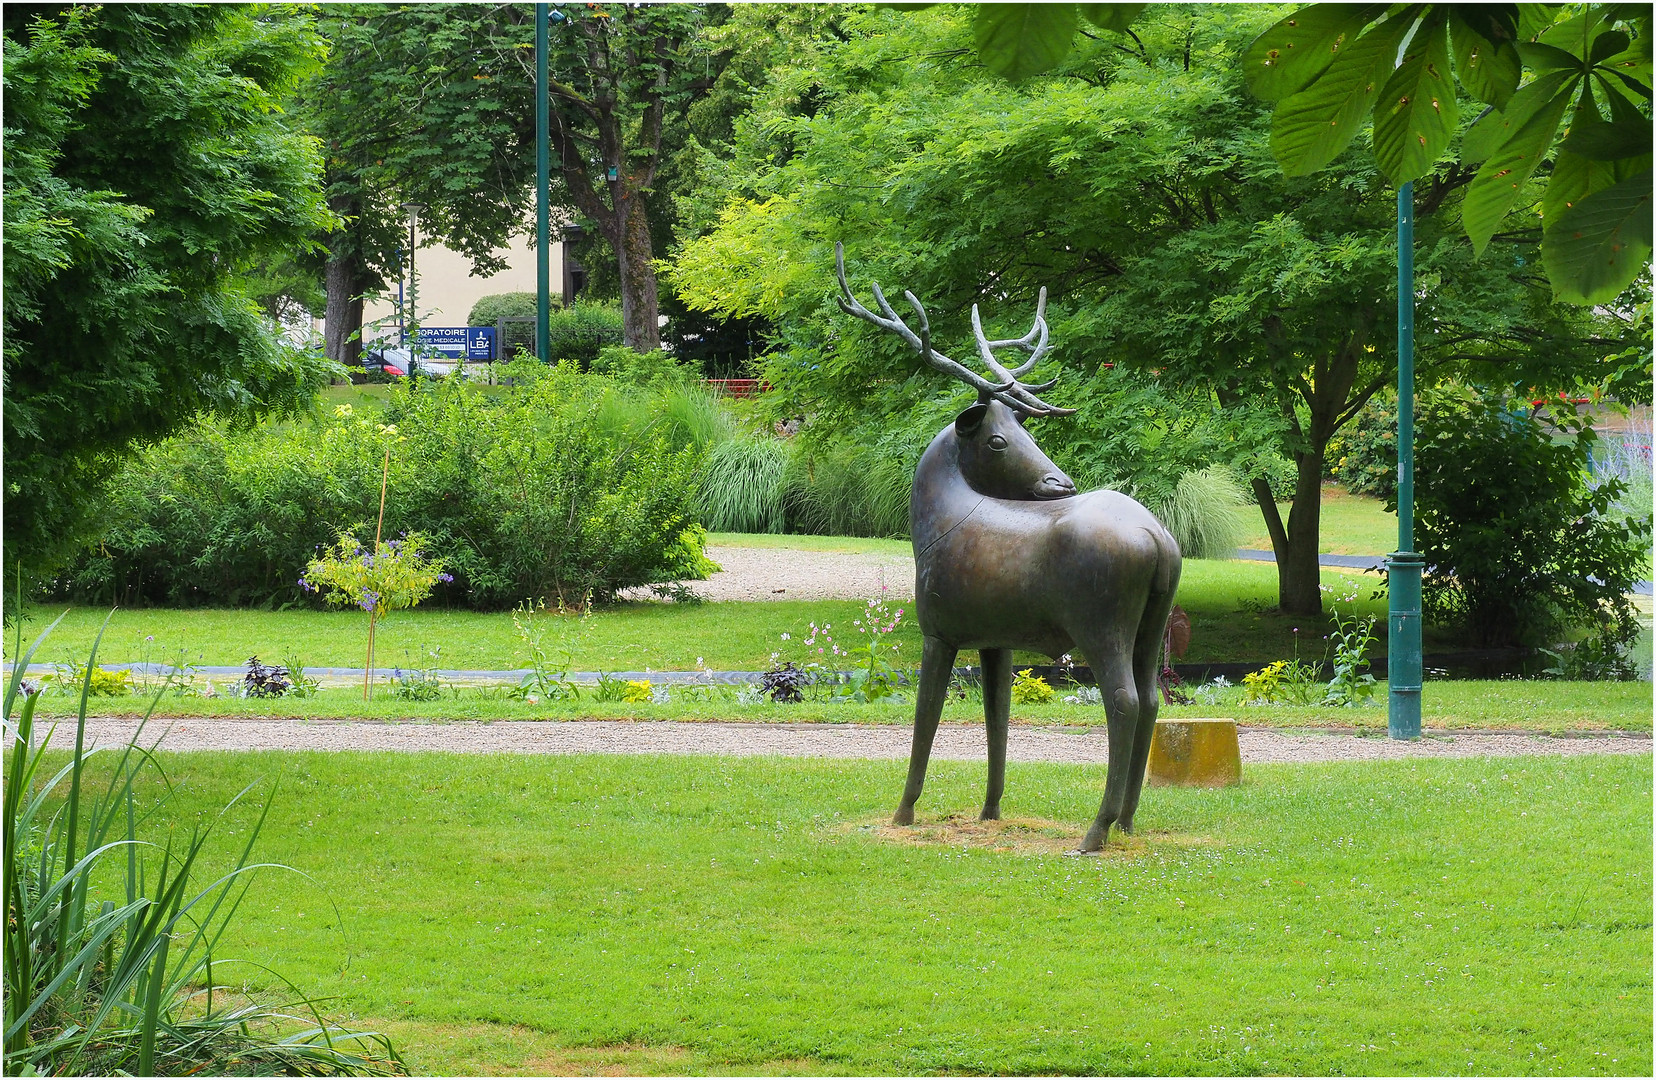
(413, 313)
(543, 198)
(1404, 661)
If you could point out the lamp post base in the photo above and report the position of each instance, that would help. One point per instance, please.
(1404, 653)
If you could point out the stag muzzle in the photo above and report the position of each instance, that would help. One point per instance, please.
(1054, 485)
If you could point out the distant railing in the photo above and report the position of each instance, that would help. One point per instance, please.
(737, 388)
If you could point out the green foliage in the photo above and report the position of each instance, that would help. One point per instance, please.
(1349, 640)
(1030, 689)
(1330, 68)
(873, 676)
(1364, 455)
(125, 982)
(1281, 682)
(147, 166)
(649, 369)
(849, 489)
(561, 485)
(74, 678)
(1519, 545)
(496, 306)
(422, 103)
(1244, 312)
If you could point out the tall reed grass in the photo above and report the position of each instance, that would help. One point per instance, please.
(1204, 513)
(130, 985)
(742, 485)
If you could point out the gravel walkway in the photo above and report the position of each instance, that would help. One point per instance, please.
(955, 742)
(792, 574)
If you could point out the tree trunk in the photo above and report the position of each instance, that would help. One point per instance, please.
(635, 259)
(342, 326)
(1295, 545)
(1299, 573)
(345, 281)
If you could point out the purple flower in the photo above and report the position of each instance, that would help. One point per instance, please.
(307, 586)
(445, 577)
(369, 600)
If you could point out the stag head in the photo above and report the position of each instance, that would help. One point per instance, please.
(1005, 388)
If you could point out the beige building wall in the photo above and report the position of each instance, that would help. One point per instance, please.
(447, 289)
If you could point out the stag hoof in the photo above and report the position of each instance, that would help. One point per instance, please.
(1082, 853)
(903, 816)
(990, 813)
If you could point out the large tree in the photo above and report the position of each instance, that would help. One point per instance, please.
(1574, 75)
(622, 78)
(417, 103)
(1138, 184)
(148, 166)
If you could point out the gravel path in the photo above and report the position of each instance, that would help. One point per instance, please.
(791, 574)
(955, 742)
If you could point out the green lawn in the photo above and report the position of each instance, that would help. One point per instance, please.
(505, 914)
(1350, 524)
(1227, 602)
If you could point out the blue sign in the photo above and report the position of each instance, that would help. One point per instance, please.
(467, 342)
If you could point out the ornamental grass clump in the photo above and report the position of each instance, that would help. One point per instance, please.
(112, 942)
(396, 576)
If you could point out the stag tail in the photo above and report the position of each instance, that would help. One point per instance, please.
(1008, 390)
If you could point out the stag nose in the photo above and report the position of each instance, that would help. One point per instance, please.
(1054, 485)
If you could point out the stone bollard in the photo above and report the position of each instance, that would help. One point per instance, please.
(1195, 752)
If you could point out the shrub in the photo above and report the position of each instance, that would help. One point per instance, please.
(562, 485)
(1029, 688)
(642, 369)
(1520, 547)
(581, 331)
(513, 305)
(846, 489)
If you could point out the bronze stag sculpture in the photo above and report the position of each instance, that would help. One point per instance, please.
(1007, 556)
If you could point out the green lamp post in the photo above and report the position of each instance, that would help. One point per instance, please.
(1404, 664)
(543, 196)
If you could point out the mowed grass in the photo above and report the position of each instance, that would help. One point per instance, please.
(1228, 604)
(1348, 525)
(505, 914)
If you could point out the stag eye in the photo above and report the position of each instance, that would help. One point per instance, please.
(997, 442)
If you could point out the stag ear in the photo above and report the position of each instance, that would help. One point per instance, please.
(967, 423)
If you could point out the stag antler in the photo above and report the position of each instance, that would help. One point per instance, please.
(1019, 397)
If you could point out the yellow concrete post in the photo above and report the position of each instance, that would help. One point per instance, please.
(1195, 752)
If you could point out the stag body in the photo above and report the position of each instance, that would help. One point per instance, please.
(1008, 556)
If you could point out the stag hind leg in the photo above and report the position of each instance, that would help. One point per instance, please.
(1147, 652)
(936, 666)
(1111, 662)
(997, 717)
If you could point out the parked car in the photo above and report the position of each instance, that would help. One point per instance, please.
(398, 361)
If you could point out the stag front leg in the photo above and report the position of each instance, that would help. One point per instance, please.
(997, 717)
(936, 667)
(1114, 670)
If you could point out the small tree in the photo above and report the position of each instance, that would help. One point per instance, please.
(393, 576)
